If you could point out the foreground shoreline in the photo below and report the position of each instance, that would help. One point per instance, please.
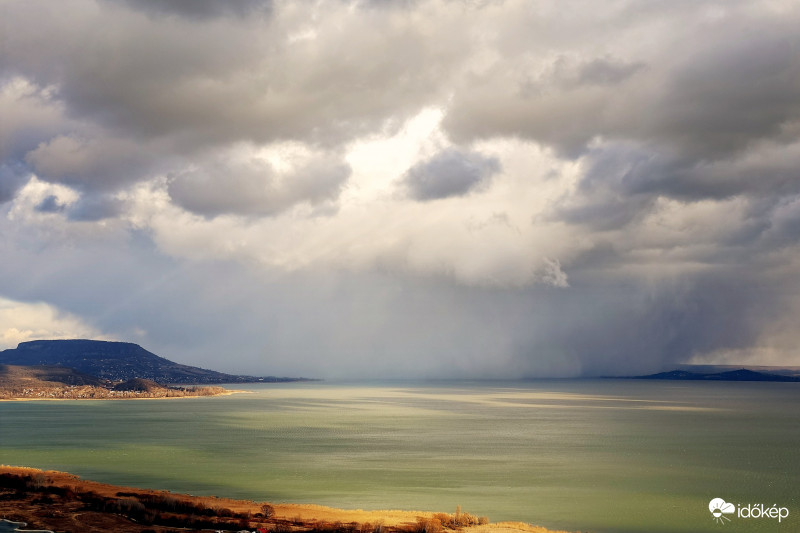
(59, 501)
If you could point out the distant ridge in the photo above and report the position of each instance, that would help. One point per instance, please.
(741, 374)
(118, 361)
(715, 369)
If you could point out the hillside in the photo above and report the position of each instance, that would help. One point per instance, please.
(117, 361)
(138, 385)
(18, 377)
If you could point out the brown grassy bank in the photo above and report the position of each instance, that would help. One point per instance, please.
(64, 502)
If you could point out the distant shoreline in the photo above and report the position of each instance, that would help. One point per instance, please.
(227, 392)
(25, 383)
(59, 501)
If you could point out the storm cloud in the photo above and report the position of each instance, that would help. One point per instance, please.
(449, 173)
(254, 187)
(404, 189)
(200, 9)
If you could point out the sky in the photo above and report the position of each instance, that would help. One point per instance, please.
(404, 189)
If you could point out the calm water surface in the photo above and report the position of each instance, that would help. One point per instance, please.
(602, 456)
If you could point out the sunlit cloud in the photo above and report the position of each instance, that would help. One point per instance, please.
(22, 322)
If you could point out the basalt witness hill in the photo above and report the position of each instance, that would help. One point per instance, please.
(118, 361)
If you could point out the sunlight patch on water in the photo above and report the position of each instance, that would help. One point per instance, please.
(395, 401)
(608, 456)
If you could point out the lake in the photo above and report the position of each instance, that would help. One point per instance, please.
(604, 456)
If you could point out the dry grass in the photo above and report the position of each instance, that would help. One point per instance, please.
(64, 502)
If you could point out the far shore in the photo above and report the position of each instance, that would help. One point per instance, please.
(227, 392)
(59, 501)
(40, 382)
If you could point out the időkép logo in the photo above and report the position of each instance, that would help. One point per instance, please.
(722, 511)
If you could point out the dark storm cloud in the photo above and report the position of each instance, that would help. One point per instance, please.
(29, 113)
(648, 329)
(28, 116)
(388, 4)
(12, 177)
(254, 187)
(50, 205)
(227, 79)
(199, 9)
(623, 183)
(449, 173)
(785, 228)
(149, 94)
(723, 101)
(632, 170)
(89, 164)
(606, 71)
(717, 95)
(93, 207)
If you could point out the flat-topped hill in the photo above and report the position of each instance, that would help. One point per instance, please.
(117, 361)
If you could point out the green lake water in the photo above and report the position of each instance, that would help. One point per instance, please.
(591, 455)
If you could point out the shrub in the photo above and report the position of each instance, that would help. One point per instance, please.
(37, 481)
(12, 481)
(443, 518)
(428, 525)
(129, 506)
(223, 512)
